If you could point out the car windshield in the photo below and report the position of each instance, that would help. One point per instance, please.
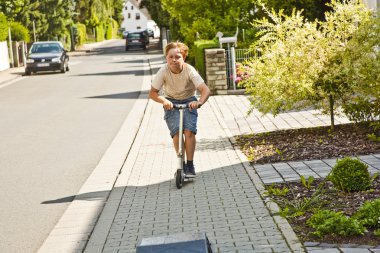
(46, 48)
(134, 36)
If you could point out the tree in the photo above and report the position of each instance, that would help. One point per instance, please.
(362, 69)
(311, 9)
(335, 84)
(208, 17)
(3, 27)
(306, 63)
(58, 15)
(25, 12)
(158, 14)
(19, 32)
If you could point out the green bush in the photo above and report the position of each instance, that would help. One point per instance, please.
(3, 27)
(80, 34)
(361, 109)
(326, 222)
(109, 31)
(350, 175)
(115, 27)
(99, 30)
(19, 32)
(369, 214)
(199, 47)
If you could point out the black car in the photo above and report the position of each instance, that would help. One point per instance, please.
(137, 39)
(47, 56)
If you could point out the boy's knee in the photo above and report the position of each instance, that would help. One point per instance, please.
(189, 133)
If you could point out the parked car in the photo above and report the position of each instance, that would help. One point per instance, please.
(150, 32)
(137, 39)
(47, 56)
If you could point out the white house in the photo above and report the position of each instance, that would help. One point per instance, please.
(136, 18)
(373, 4)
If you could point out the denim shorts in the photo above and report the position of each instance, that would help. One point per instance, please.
(189, 117)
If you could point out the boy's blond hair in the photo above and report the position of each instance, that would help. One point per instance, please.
(183, 49)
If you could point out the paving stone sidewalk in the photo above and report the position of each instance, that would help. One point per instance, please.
(222, 201)
(225, 200)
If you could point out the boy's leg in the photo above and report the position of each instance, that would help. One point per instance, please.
(190, 142)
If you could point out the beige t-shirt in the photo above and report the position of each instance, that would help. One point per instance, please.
(178, 86)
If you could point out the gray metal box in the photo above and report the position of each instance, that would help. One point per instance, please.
(178, 243)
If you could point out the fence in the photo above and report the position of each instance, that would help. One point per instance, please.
(241, 55)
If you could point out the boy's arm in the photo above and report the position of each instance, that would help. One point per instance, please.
(205, 93)
(154, 95)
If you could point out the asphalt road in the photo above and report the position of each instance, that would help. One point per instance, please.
(54, 129)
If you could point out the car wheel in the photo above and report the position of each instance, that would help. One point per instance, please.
(67, 67)
(27, 72)
(63, 68)
(126, 48)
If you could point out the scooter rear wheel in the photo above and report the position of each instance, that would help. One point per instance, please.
(179, 178)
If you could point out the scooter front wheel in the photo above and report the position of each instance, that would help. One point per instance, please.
(179, 178)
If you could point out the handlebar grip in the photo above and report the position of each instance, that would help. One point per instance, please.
(181, 106)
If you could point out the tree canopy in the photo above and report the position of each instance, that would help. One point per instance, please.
(52, 18)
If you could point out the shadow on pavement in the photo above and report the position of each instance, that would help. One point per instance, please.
(90, 196)
(125, 95)
(116, 73)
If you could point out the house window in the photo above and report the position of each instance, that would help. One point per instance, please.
(126, 8)
(137, 15)
(129, 15)
(132, 7)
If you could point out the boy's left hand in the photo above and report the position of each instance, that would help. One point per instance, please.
(194, 105)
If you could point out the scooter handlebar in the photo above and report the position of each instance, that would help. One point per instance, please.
(181, 106)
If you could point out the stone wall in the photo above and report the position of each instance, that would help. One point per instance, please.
(216, 79)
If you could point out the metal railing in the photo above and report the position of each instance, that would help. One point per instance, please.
(241, 55)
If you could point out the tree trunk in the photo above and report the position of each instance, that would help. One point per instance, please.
(331, 102)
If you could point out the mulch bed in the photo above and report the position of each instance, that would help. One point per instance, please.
(318, 143)
(309, 143)
(333, 200)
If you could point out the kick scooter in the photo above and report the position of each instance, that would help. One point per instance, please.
(180, 175)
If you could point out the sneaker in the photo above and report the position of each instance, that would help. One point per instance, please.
(190, 171)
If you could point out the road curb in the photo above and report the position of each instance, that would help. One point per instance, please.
(99, 236)
(10, 76)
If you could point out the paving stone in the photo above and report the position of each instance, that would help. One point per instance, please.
(354, 250)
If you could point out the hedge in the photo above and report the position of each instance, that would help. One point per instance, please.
(199, 47)
(81, 34)
(99, 30)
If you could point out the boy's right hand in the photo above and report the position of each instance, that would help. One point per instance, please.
(168, 105)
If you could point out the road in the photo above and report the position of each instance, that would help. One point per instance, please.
(54, 129)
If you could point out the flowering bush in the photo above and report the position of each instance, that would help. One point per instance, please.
(242, 73)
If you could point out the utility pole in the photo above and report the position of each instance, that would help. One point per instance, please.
(34, 31)
(10, 46)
